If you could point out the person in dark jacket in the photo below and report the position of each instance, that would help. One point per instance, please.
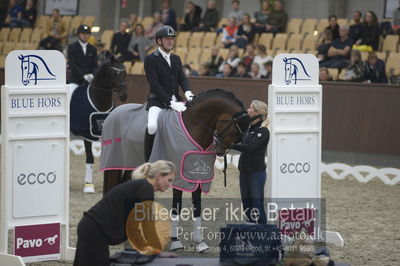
(168, 15)
(246, 32)
(192, 17)
(252, 166)
(210, 19)
(164, 73)
(105, 223)
(375, 71)
(356, 27)
(82, 58)
(277, 20)
(333, 26)
(369, 31)
(120, 40)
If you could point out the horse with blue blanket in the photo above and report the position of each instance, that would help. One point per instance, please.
(90, 105)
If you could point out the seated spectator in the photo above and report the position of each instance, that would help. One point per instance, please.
(133, 20)
(261, 58)
(138, 45)
(356, 69)
(333, 27)
(277, 20)
(356, 26)
(204, 70)
(241, 71)
(324, 74)
(249, 56)
(236, 12)
(192, 17)
(120, 40)
(215, 61)
(268, 68)
(246, 32)
(396, 20)
(56, 32)
(102, 53)
(262, 16)
(232, 59)
(323, 45)
(255, 71)
(189, 72)
(154, 26)
(168, 16)
(210, 19)
(339, 52)
(3, 12)
(369, 39)
(375, 71)
(27, 16)
(230, 33)
(14, 11)
(226, 73)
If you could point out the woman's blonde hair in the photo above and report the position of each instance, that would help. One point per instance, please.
(261, 108)
(152, 170)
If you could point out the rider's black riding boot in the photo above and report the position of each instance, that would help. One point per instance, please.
(148, 145)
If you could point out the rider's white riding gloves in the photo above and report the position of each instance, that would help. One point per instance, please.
(189, 95)
(178, 106)
(88, 77)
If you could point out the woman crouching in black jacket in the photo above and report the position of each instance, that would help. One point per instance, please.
(252, 166)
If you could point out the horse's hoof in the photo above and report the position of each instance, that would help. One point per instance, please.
(201, 247)
(89, 188)
(175, 245)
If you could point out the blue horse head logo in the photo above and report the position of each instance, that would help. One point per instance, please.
(295, 70)
(34, 68)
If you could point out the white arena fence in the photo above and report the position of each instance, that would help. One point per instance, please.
(339, 171)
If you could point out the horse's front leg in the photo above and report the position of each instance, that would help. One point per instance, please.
(197, 229)
(126, 176)
(89, 186)
(111, 179)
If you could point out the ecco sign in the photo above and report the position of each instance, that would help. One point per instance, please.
(39, 178)
(298, 168)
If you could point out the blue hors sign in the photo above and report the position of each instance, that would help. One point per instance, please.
(295, 70)
(34, 68)
(38, 68)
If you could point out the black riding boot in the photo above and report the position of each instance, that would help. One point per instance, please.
(148, 145)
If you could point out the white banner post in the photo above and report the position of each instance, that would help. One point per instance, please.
(294, 152)
(35, 154)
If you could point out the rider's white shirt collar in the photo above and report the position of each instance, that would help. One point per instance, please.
(83, 45)
(165, 55)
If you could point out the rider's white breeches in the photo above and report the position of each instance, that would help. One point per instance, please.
(154, 111)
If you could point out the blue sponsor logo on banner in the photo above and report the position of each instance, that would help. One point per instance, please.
(34, 68)
(295, 70)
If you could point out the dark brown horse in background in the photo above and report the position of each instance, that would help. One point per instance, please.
(108, 80)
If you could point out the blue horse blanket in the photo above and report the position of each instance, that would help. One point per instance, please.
(81, 109)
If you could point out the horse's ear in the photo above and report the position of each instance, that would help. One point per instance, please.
(112, 59)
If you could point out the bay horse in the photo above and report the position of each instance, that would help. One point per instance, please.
(213, 121)
(91, 103)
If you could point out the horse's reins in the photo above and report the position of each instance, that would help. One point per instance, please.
(219, 137)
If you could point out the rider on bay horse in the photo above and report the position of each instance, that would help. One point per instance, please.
(164, 73)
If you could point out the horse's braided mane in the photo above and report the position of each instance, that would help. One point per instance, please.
(217, 92)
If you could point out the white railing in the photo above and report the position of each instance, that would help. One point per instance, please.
(339, 171)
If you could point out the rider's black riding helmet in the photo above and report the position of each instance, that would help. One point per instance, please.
(83, 28)
(165, 31)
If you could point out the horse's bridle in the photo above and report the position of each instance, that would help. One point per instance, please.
(236, 118)
(218, 137)
(114, 89)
